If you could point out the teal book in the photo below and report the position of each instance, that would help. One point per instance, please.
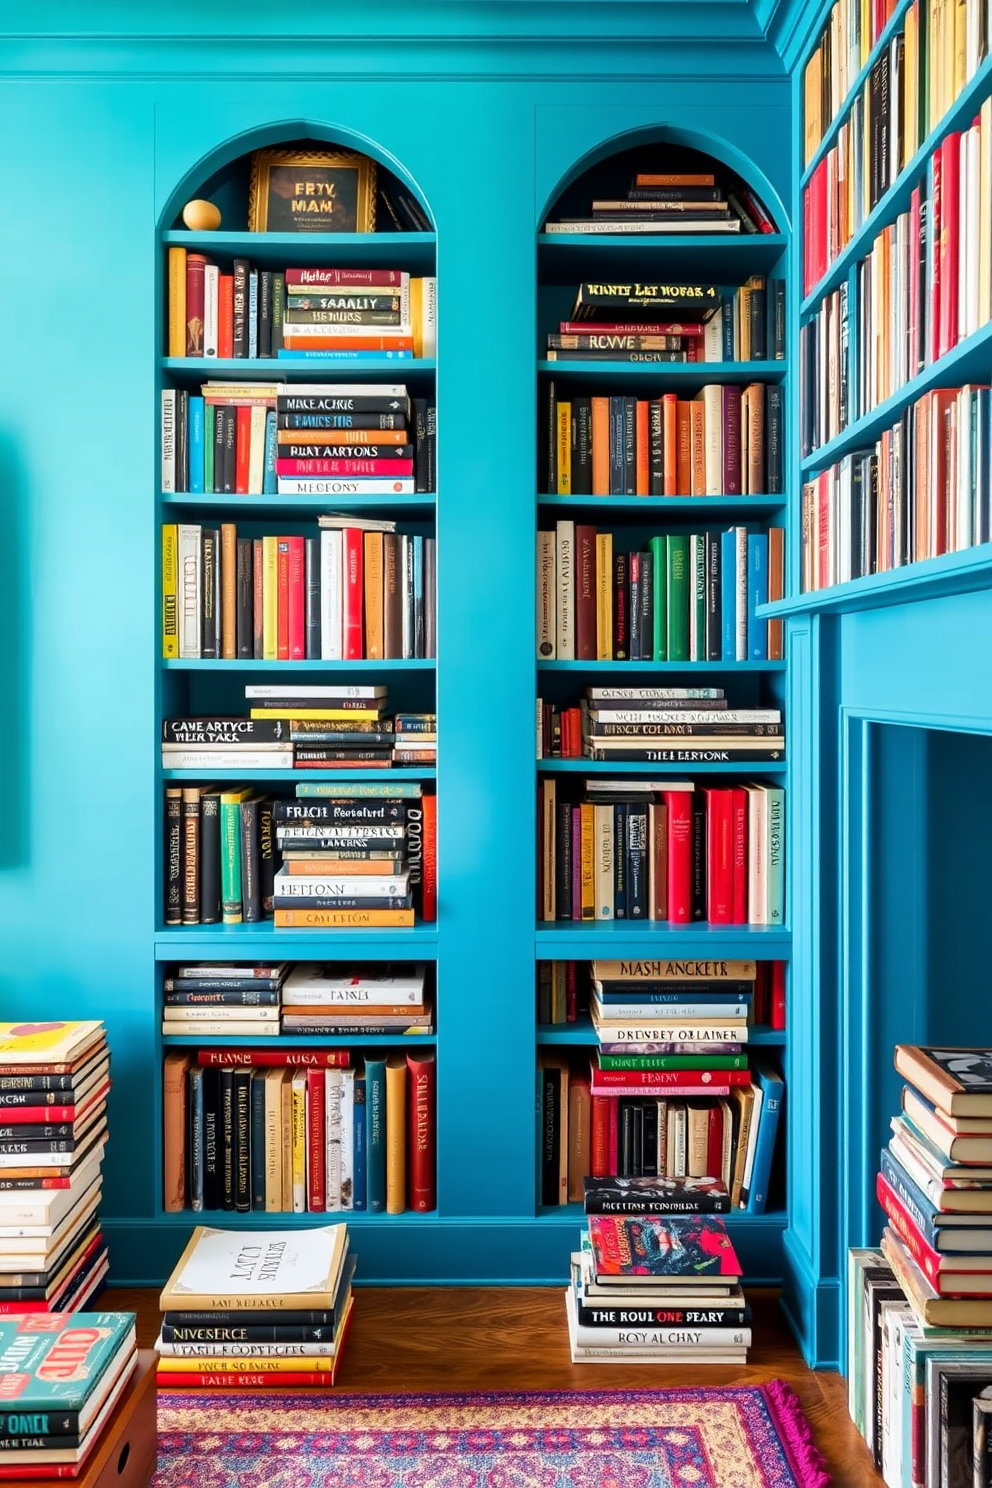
(375, 1130)
(57, 1369)
(757, 594)
(360, 1178)
(196, 446)
(772, 1089)
(658, 548)
(776, 855)
(678, 597)
(347, 356)
(269, 484)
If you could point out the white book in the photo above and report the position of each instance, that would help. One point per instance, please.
(245, 1350)
(211, 309)
(241, 1270)
(331, 595)
(221, 1029)
(214, 758)
(984, 229)
(758, 1095)
(713, 339)
(712, 395)
(303, 886)
(347, 1138)
(173, 1013)
(603, 850)
(291, 391)
(757, 855)
(305, 329)
(40, 1212)
(189, 581)
(623, 225)
(546, 596)
(425, 290)
(344, 833)
(844, 521)
(333, 1091)
(700, 717)
(168, 440)
(632, 694)
(304, 485)
(271, 693)
(256, 451)
(405, 572)
(565, 590)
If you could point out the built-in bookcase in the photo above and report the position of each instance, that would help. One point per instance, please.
(727, 262)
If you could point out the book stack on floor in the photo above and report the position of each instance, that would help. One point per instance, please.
(256, 1308)
(651, 1286)
(377, 998)
(697, 723)
(207, 999)
(672, 201)
(920, 1307)
(54, 1079)
(62, 1379)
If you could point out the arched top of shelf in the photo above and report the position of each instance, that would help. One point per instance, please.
(607, 174)
(223, 177)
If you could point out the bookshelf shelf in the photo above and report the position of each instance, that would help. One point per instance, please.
(416, 252)
(622, 668)
(247, 942)
(294, 1040)
(896, 199)
(673, 375)
(967, 362)
(316, 369)
(260, 1219)
(567, 259)
(247, 506)
(705, 507)
(578, 940)
(645, 767)
(283, 777)
(933, 578)
(363, 668)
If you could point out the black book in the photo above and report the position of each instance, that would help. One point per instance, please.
(430, 596)
(227, 732)
(637, 861)
(212, 1140)
(656, 448)
(226, 1139)
(630, 446)
(617, 451)
(675, 194)
(221, 417)
(550, 1134)
(249, 1333)
(230, 452)
(871, 511)
(244, 592)
(758, 308)
(563, 860)
(778, 319)
(228, 997)
(420, 482)
(182, 440)
(313, 598)
(621, 608)
(698, 901)
(172, 877)
(256, 1098)
(278, 312)
(269, 857)
(649, 1162)
(922, 290)
(194, 1137)
(773, 440)
(634, 601)
(714, 603)
(581, 446)
(251, 888)
(209, 617)
(341, 421)
(210, 905)
(240, 307)
(344, 403)
(845, 331)
(637, 1144)
(265, 313)
(647, 606)
(625, 1137)
(621, 878)
(241, 1158)
(981, 1441)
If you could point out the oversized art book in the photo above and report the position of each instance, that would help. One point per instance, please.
(52, 1361)
(677, 1246)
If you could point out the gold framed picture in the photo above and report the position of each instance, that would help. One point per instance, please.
(311, 191)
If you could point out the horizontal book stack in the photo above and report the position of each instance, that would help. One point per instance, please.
(632, 723)
(63, 1377)
(672, 202)
(54, 1080)
(565, 992)
(249, 1309)
(679, 597)
(359, 590)
(377, 998)
(242, 1000)
(925, 286)
(848, 39)
(676, 851)
(724, 441)
(923, 490)
(266, 439)
(656, 1289)
(334, 313)
(298, 1131)
(920, 1308)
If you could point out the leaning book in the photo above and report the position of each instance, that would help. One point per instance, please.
(257, 1270)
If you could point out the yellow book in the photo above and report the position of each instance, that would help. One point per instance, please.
(228, 1364)
(373, 575)
(812, 126)
(229, 590)
(273, 1141)
(911, 90)
(587, 860)
(563, 436)
(170, 593)
(177, 302)
(270, 599)
(311, 715)
(604, 596)
(959, 75)
(864, 31)
(331, 919)
(299, 1136)
(395, 1133)
(286, 1142)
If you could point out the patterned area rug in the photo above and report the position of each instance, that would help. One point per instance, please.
(755, 1437)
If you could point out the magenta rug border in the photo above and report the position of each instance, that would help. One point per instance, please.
(806, 1461)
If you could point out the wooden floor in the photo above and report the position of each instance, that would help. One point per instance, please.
(475, 1338)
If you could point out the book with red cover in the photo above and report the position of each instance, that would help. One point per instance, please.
(195, 265)
(677, 1247)
(599, 1161)
(319, 467)
(777, 1011)
(282, 599)
(421, 1088)
(225, 315)
(935, 257)
(679, 805)
(316, 1142)
(428, 866)
(612, 1136)
(952, 1275)
(297, 599)
(949, 241)
(739, 851)
(585, 593)
(242, 449)
(316, 279)
(325, 1058)
(354, 591)
(680, 1084)
(714, 1145)
(720, 855)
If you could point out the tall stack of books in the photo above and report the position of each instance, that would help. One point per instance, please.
(920, 1308)
(695, 722)
(656, 1288)
(54, 1079)
(250, 1309)
(341, 859)
(330, 726)
(672, 201)
(207, 999)
(63, 1377)
(377, 998)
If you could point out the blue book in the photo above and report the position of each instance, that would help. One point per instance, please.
(617, 460)
(652, 998)
(757, 594)
(375, 1130)
(359, 1185)
(912, 1198)
(347, 356)
(269, 483)
(257, 1111)
(252, 317)
(772, 1088)
(197, 424)
(728, 593)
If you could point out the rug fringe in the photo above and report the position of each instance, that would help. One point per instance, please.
(808, 1462)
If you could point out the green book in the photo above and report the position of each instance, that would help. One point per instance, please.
(658, 548)
(678, 597)
(697, 551)
(230, 855)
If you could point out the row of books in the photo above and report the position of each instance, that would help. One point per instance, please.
(671, 201)
(288, 743)
(925, 285)
(567, 990)
(250, 1309)
(237, 439)
(680, 853)
(726, 441)
(262, 1130)
(923, 490)
(358, 591)
(250, 312)
(848, 39)
(241, 856)
(604, 727)
(680, 597)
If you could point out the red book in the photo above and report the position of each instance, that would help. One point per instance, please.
(585, 593)
(720, 856)
(679, 805)
(196, 1381)
(714, 1143)
(776, 1014)
(22, 1115)
(282, 599)
(195, 265)
(316, 1142)
(336, 467)
(936, 258)
(297, 599)
(242, 450)
(948, 250)
(739, 848)
(428, 891)
(324, 1058)
(600, 1136)
(225, 315)
(678, 1084)
(317, 278)
(257, 590)
(354, 585)
(658, 848)
(937, 1268)
(421, 1088)
(731, 401)
(613, 1136)
(807, 238)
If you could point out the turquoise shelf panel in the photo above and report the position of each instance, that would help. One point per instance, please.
(292, 369)
(414, 252)
(294, 1040)
(259, 1219)
(932, 578)
(705, 507)
(671, 375)
(248, 506)
(566, 258)
(581, 940)
(289, 668)
(283, 777)
(249, 942)
(642, 767)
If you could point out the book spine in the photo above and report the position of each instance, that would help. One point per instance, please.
(396, 1113)
(421, 1136)
(375, 1129)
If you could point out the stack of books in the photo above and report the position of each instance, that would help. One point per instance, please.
(672, 201)
(564, 992)
(330, 726)
(697, 722)
(263, 1308)
(656, 1288)
(920, 1307)
(63, 1377)
(206, 998)
(415, 739)
(377, 998)
(342, 858)
(54, 1079)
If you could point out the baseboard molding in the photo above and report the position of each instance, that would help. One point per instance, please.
(813, 1306)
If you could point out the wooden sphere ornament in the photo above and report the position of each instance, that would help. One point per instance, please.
(201, 216)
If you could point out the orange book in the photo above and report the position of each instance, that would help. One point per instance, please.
(174, 1131)
(373, 567)
(342, 436)
(225, 316)
(776, 589)
(600, 431)
(675, 178)
(331, 919)
(697, 439)
(347, 343)
(669, 408)
(347, 867)
(683, 426)
(642, 447)
(229, 590)
(579, 1135)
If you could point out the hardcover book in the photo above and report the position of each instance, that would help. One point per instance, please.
(679, 1247)
(956, 1081)
(47, 1043)
(52, 1362)
(656, 1196)
(247, 1270)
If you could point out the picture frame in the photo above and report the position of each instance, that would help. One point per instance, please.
(311, 191)
(952, 1384)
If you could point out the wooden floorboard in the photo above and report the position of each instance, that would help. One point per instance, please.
(496, 1338)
